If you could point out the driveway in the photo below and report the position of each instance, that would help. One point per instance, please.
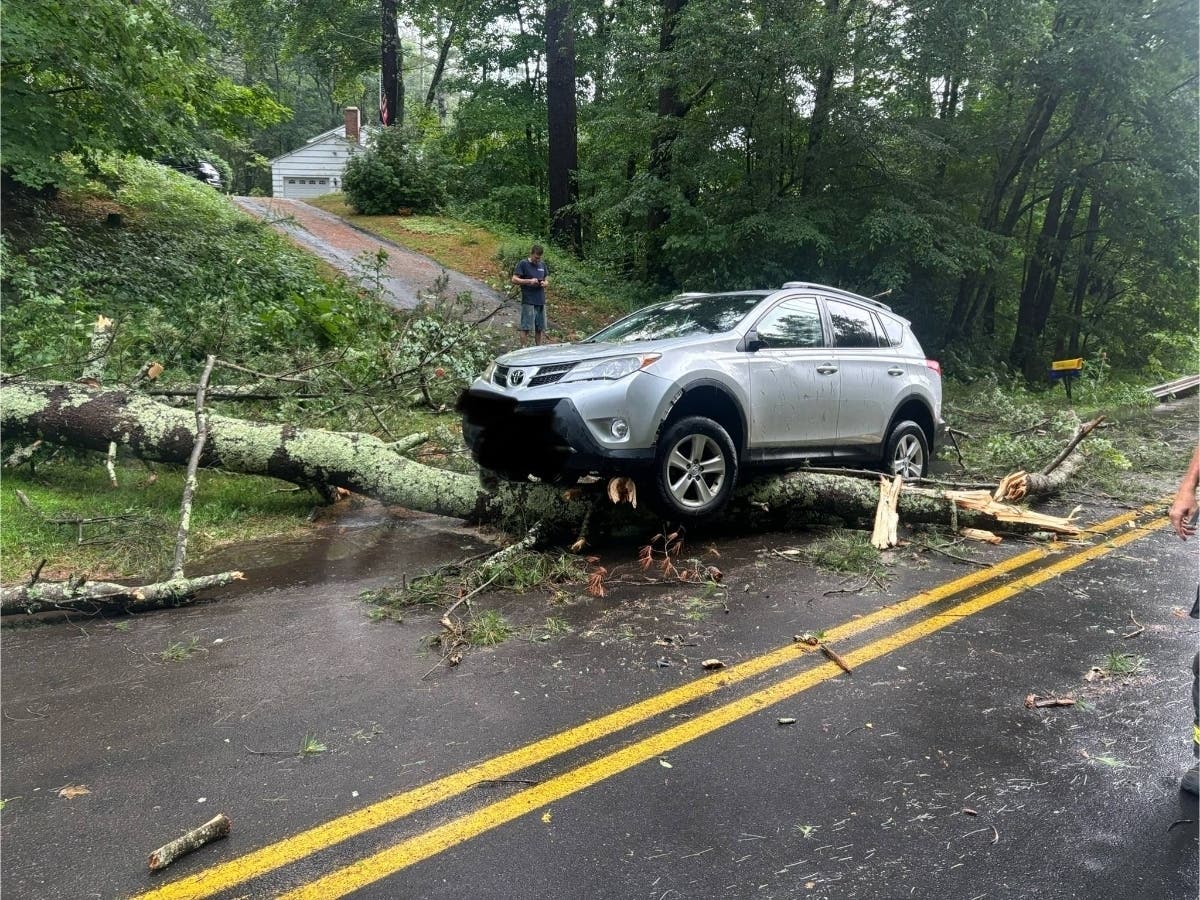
(406, 277)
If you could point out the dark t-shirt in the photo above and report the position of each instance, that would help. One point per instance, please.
(532, 294)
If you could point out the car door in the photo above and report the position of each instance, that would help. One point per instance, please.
(871, 377)
(793, 379)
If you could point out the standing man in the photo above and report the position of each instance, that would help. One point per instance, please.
(532, 276)
(1183, 519)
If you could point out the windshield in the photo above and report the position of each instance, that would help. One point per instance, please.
(681, 317)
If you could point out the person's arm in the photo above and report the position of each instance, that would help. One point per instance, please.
(516, 276)
(1183, 511)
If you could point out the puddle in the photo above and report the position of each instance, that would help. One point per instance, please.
(365, 545)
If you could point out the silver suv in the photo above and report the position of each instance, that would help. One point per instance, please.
(686, 395)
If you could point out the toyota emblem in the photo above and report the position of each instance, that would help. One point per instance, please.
(516, 377)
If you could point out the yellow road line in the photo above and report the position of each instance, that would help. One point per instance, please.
(304, 843)
(399, 856)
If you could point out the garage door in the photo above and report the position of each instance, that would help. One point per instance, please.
(294, 186)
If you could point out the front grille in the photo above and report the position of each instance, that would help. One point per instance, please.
(551, 374)
(545, 374)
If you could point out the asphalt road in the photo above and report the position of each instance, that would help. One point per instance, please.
(605, 762)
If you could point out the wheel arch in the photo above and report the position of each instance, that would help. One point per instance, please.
(913, 408)
(709, 398)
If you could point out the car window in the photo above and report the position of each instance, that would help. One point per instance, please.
(852, 327)
(793, 323)
(893, 330)
(681, 317)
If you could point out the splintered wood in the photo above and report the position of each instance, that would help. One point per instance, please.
(984, 502)
(978, 534)
(886, 517)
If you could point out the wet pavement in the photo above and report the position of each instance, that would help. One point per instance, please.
(922, 774)
(406, 276)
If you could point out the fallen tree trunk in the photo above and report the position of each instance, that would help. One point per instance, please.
(96, 596)
(75, 415)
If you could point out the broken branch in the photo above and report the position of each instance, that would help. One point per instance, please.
(214, 829)
(189, 483)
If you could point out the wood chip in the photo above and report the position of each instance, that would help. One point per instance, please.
(978, 534)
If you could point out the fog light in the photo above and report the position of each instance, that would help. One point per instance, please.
(619, 429)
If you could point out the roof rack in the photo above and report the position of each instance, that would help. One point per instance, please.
(838, 291)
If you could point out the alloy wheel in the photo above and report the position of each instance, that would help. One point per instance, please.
(696, 469)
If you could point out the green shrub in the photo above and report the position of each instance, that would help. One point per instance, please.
(395, 173)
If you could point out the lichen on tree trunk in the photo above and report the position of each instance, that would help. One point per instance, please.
(75, 415)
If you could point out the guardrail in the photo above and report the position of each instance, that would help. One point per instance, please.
(1178, 388)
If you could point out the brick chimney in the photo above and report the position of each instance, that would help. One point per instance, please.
(352, 124)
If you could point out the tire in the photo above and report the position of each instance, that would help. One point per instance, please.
(695, 470)
(907, 451)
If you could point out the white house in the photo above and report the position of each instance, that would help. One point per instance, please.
(316, 168)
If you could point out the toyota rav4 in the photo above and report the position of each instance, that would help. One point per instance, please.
(685, 396)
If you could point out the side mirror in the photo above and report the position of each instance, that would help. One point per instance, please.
(751, 343)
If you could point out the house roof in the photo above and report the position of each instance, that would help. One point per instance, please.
(339, 133)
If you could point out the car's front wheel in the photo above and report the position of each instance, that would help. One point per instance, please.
(695, 469)
(907, 452)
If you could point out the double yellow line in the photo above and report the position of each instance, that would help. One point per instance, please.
(380, 865)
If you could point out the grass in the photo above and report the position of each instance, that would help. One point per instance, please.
(555, 627)
(842, 550)
(579, 299)
(228, 508)
(309, 745)
(697, 609)
(177, 651)
(456, 245)
(487, 629)
(520, 573)
(1119, 664)
(1013, 427)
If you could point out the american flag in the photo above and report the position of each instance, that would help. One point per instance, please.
(383, 104)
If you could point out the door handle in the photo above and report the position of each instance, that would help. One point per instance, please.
(827, 369)
(895, 370)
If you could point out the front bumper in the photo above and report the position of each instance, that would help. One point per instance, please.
(546, 438)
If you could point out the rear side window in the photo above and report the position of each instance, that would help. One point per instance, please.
(793, 323)
(893, 331)
(852, 327)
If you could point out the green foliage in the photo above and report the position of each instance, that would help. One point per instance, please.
(138, 545)
(185, 276)
(487, 629)
(843, 550)
(178, 651)
(95, 77)
(394, 173)
(443, 349)
(310, 745)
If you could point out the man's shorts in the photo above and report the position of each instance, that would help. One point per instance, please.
(533, 318)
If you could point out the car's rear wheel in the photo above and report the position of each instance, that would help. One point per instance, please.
(695, 469)
(907, 452)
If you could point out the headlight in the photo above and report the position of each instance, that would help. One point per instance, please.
(611, 369)
(489, 371)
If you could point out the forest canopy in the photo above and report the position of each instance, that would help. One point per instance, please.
(1021, 176)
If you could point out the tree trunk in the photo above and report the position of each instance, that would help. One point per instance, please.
(561, 125)
(73, 415)
(662, 143)
(443, 54)
(1083, 276)
(391, 102)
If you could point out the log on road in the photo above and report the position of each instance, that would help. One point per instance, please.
(79, 416)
